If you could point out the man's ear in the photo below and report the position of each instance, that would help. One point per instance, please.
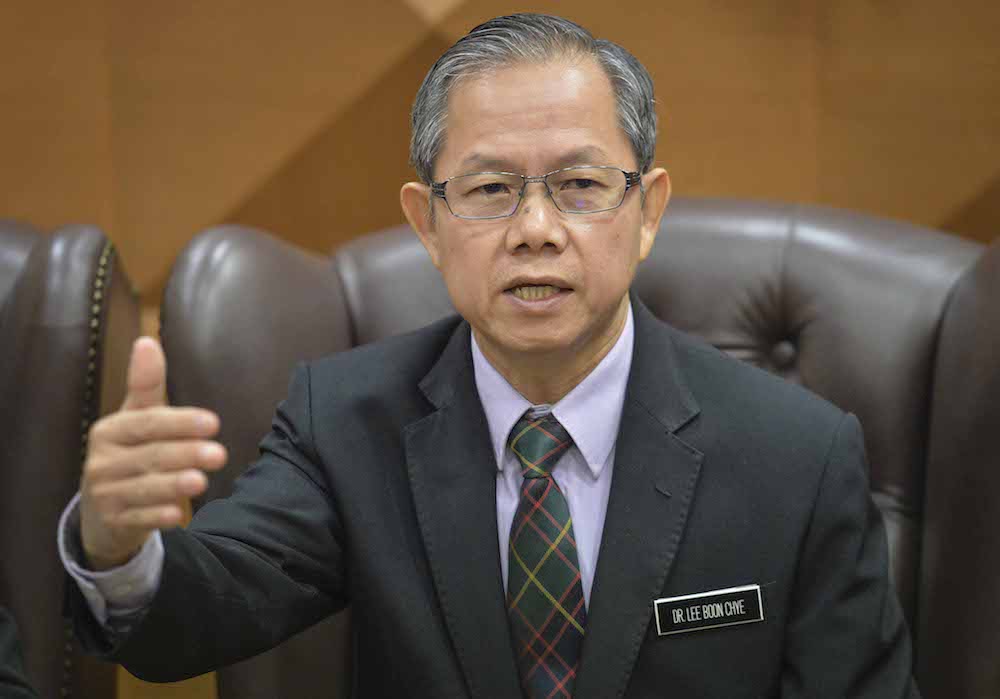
(415, 198)
(657, 185)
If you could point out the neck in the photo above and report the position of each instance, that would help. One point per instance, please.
(546, 378)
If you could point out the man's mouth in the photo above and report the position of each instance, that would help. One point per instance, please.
(532, 292)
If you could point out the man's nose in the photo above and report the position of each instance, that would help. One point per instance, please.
(537, 222)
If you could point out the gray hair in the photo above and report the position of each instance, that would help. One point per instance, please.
(533, 38)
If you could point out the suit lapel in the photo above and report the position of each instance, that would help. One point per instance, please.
(653, 484)
(452, 474)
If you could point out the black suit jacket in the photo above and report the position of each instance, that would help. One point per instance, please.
(13, 684)
(376, 488)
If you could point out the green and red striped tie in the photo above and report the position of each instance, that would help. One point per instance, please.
(544, 591)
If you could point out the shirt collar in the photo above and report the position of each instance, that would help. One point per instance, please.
(591, 412)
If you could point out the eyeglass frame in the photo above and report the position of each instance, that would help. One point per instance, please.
(631, 179)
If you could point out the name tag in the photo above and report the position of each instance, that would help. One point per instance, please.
(708, 610)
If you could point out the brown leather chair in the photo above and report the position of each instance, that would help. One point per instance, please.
(67, 320)
(848, 305)
(958, 618)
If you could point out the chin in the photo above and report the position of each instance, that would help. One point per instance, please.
(535, 344)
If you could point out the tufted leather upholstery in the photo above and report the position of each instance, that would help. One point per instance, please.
(846, 305)
(850, 306)
(67, 319)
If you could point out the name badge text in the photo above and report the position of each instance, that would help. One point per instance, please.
(708, 610)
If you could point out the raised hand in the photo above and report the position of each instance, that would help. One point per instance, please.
(143, 463)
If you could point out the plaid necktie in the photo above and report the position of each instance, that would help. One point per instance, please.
(544, 592)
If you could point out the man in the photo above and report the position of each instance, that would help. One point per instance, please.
(13, 685)
(555, 495)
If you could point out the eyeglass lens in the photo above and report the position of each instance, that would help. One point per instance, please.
(576, 190)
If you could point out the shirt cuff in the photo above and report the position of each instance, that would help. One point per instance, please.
(115, 593)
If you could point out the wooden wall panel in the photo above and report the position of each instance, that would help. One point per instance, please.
(156, 120)
(910, 110)
(55, 113)
(202, 687)
(345, 180)
(210, 100)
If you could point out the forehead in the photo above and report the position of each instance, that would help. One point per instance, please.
(532, 118)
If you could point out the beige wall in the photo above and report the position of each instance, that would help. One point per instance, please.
(156, 120)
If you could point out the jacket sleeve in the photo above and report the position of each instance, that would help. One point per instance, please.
(846, 636)
(13, 684)
(250, 570)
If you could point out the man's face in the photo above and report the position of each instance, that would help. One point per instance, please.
(532, 119)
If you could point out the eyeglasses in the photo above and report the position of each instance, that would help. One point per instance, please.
(585, 189)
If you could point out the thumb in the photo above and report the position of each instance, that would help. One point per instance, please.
(147, 376)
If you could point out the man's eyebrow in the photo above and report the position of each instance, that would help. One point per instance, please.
(586, 155)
